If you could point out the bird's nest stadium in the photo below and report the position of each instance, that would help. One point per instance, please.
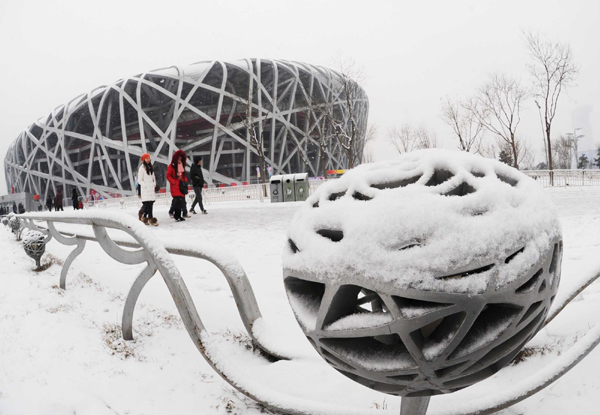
(231, 113)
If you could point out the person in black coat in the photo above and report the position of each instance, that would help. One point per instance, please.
(75, 198)
(49, 203)
(58, 200)
(197, 183)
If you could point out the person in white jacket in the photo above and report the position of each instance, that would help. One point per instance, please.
(147, 183)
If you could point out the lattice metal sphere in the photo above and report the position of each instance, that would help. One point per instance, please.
(34, 245)
(14, 223)
(5, 221)
(425, 274)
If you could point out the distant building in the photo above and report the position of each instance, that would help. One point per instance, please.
(211, 109)
(22, 199)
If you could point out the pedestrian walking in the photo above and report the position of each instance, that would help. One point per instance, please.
(49, 203)
(184, 211)
(139, 193)
(197, 184)
(147, 186)
(75, 198)
(178, 183)
(58, 200)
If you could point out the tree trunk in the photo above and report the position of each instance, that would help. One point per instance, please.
(514, 151)
(350, 158)
(550, 167)
(324, 163)
(351, 143)
(263, 174)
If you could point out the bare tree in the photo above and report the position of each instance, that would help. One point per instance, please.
(562, 152)
(323, 140)
(402, 138)
(464, 124)
(525, 158)
(368, 156)
(497, 107)
(488, 148)
(322, 133)
(339, 115)
(407, 138)
(426, 137)
(553, 68)
(256, 139)
(350, 136)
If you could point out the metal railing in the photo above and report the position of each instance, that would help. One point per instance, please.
(563, 178)
(235, 193)
(148, 249)
(214, 194)
(211, 194)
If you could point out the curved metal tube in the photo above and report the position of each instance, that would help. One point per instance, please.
(60, 237)
(134, 293)
(74, 254)
(553, 313)
(115, 251)
(239, 285)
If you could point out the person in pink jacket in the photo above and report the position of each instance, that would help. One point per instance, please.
(178, 183)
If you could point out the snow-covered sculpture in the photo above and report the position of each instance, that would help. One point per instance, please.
(5, 221)
(35, 245)
(14, 223)
(424, 274)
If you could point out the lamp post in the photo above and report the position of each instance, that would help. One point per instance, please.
(543, 134)
(575, 141)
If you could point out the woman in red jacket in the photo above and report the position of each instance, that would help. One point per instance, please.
(178, 183)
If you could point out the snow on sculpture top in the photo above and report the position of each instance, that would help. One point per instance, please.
(32, 237)
(422, 220)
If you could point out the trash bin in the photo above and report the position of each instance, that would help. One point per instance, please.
(301, 186)
(288, 188)
(276, 189)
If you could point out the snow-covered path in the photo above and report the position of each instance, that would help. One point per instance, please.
(61, 351)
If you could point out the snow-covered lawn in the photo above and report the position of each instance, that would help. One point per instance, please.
(61, 351)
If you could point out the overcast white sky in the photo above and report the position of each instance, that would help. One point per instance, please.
(413, 54)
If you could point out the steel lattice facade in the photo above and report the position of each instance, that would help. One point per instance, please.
(209, 109)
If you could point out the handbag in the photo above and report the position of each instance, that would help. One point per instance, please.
(183, 187)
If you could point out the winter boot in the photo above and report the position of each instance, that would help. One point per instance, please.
(145, 220)
(205, 212)
(140, 213)
(154, 222)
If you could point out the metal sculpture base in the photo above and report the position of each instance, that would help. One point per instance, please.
(414, 406)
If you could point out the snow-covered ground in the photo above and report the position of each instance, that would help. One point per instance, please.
(61, 351)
